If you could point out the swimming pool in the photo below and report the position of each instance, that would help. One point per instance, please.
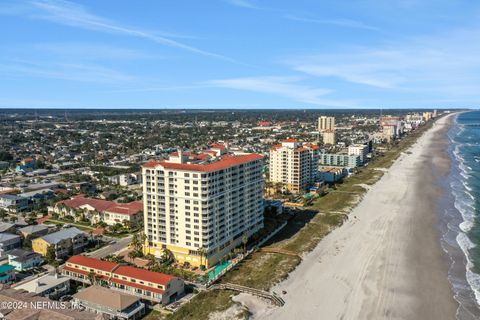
(218, 269)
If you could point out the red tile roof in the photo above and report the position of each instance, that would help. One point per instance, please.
(152, 164)
(85, 273)
(275, 147)
(223, 163)
(136, 285)
(290, 140)
(264, 123)
(92, 263)
(217, 146)
(311, 146)
(145, 275)
(130, 208)
(104, 205)
(99, 205)
(127, 271)
(42, 219)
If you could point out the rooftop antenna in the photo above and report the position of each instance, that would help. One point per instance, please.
(66, 118)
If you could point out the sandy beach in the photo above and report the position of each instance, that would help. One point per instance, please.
(386, 261)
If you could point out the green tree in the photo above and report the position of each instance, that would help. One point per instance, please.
(92, 277)
(201, 252)
(245, 241)
(27, 242)
(51, 255)
(152, 261)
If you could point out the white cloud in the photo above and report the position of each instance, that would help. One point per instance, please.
(288, 87)
(346, 23)
(242, 3)
(426, 64)
(64, 71)
(74, 15)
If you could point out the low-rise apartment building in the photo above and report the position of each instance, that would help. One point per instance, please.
(51, 286)
(7, 273)
(65, 242)
(34, 231)
(124, 212)
(148, 285)
(112, 305)
(13, 203)
(339, 160)
(24, 260)
(332, 174)
(360, 150)
(97, 210)
(8, 242)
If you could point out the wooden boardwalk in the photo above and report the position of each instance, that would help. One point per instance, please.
(276, 300)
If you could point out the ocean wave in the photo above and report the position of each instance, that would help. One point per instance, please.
(463, 180)
(464, 201)
(473, 278)
(466, 186)
(465, 205)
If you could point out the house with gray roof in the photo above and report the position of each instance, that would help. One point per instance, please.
(66, 242)
(8, 242)
(112, 305)
(7, 227)
(50, 286)
(13, 203)
(24, 260)
(34, 230)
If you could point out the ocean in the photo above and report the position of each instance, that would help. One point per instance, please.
(460, 208)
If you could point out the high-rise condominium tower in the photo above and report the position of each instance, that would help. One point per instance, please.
(326, 123)
(200, 206)
(294, 164)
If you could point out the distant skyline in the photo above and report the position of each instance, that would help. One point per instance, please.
(242, 54)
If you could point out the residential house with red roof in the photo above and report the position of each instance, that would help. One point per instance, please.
(97, 210)
(154, 287)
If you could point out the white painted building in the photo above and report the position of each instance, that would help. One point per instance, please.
(209, 200)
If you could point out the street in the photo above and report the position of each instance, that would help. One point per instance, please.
(111, 248)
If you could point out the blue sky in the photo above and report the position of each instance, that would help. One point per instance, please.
(239, 54)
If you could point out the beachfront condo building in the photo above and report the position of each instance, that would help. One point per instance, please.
(360, 150)
(329, 137)
(339, 160)
(326, 123)
(201, 206)
(293, 164)
(427, 116)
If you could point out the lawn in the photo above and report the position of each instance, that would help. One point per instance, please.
(82, 227)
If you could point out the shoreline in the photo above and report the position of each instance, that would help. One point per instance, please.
(451, 221)
(386, 261)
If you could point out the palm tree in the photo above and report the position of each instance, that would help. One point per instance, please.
(152, 261)
(167, 257)
(201, 252)
(245, 241)
(92, 277)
